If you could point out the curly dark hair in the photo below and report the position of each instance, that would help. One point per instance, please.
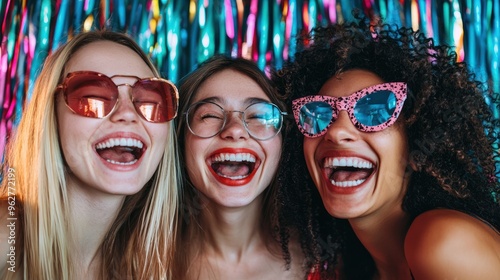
(448, 119)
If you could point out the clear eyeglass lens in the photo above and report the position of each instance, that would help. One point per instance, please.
(205, 119)
(376, 108)
(263, 120)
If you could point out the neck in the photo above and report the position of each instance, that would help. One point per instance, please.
(383, 234)
(91, 217)
(232, 232)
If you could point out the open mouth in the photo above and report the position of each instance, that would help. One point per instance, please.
(121, 151)
(233, 166)
(347, 172)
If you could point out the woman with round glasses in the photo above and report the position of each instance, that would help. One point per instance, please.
(230, 131)
(90, 176)
(397, 138)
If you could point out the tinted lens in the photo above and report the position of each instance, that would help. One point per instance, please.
(155, 100)
(315, 117)
(90, 95)
(375, 108)
(263, 120)
(205, 119)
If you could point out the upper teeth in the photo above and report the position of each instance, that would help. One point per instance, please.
(238, 157)
(125, 142)
(347, 162)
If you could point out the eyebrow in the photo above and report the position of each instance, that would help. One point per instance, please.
(222, 101)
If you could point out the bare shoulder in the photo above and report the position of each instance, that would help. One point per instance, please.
(448, 244)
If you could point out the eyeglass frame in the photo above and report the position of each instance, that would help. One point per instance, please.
(62, 86)
(227, 112)
(348, 103)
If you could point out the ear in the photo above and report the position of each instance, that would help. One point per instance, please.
(414, 157)
(413, 165)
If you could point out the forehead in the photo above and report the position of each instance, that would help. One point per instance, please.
(349, 82)
(109, 58)
(230, 87)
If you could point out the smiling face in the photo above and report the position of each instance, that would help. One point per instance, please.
(231, 168)
(119, 153)
(357, 173)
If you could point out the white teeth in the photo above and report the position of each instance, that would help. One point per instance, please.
(236, 157)
(347, 162)
(345, 184)
(124, 142)
(121, 163)
(234, 177)
(353, 162)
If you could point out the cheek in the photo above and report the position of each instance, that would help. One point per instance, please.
(393, 153)
(274, 151)
(74, 141)
(310, 146)
(159, 134)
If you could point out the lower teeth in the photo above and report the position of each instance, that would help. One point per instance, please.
(347, 183)
(234, 177)
(122, 163)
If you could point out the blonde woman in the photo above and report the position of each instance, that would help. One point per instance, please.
(90, 177)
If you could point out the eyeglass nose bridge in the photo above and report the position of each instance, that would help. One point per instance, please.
(227, 114)
(122, 101)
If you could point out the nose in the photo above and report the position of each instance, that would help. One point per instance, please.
(342, 130)
(234, 128)
(124, 110)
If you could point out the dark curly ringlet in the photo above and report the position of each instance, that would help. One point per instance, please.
(449, 125)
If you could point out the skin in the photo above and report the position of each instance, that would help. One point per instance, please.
(243, 92)
(97, 189)
(79, 135)
(448, 244)
(234, 246)
(374, 207)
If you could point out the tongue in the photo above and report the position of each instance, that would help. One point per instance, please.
(117, 154)
(350, 175)
(231, 169)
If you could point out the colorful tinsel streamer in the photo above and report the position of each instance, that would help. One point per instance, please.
(180, 34)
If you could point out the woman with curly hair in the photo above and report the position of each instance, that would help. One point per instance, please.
(397, 138)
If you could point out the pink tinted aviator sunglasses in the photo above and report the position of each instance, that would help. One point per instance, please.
(371, 109)
(95, 95)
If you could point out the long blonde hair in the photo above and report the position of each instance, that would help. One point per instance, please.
(139, 244)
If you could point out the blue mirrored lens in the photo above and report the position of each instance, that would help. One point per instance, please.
(375, 108)
(315, 116)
